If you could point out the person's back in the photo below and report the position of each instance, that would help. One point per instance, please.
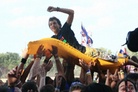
(97, 87)
(47, 88)
(30, 85)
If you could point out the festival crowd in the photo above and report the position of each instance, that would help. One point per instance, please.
(33, 77)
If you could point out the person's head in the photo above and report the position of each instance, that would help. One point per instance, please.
(47, 88)
(125, 85)
(54, 24)
(4, 88)
(98, 87)
(76, 87)
(29, 85)
(134, 78)
(48, 80)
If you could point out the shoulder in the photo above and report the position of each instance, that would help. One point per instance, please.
(53, 36)
(66, 25)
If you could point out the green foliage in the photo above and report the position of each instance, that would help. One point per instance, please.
(9, 60)
(104, 52)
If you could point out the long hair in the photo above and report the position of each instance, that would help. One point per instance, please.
(124, 80)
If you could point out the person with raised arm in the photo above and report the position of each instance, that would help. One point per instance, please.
(65, 33)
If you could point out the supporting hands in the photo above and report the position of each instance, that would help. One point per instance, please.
(84, 65)
(13, 78)
(54, 51)
(85, 75)
(40, 52)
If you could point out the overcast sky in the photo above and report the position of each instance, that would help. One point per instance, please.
(108, 21)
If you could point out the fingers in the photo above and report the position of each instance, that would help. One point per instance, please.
(108, 73)
(50, 9)
(41, 51)
(13, 71)
(116, 72)
(41, 47)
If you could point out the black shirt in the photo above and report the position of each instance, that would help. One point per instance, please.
(68, 36)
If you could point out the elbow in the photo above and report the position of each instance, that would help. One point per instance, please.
(72, 12)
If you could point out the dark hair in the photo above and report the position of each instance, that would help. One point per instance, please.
(48, 80)
(125, 80)
(54, 18)
(98, 87)
(132, 40)
(76, 86)
(29, 85)
(132, 76)
(47, 88)
(135, 59)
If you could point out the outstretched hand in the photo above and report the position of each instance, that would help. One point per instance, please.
(54, 50)
(13, 78)
(84, 65)
(40, 52)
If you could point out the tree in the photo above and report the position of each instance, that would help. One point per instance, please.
(8, 61)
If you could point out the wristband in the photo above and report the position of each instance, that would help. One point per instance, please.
(23, 60)
(88, 72)
(56, 58)
(18, 83)
(57, 88)
(38, 56)
(57, 9)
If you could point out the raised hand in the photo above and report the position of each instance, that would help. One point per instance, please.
(40, 52)
(84, 65)
(111, 79)
(13, 78)
(51, 8)
(54, 50)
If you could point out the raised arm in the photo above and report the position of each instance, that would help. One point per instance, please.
(70, 12)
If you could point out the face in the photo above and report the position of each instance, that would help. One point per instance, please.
(130, 87)
(78, 90)
(54, 26)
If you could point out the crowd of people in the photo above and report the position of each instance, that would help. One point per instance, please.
(33, 77)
